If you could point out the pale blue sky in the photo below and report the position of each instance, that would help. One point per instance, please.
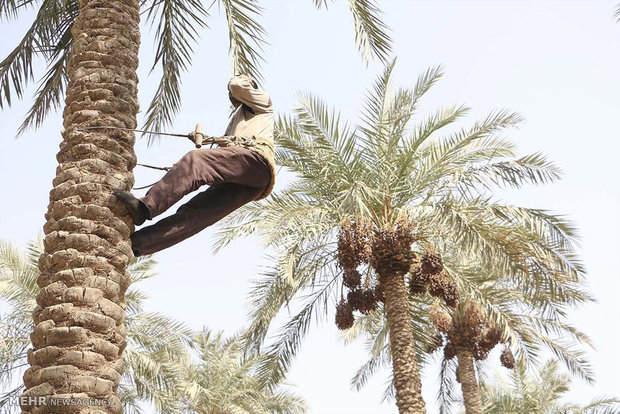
(555, 62)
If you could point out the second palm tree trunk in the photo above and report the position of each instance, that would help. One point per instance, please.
(469, 383)
(79, 334)
(405, 368)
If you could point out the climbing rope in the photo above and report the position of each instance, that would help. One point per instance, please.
(154, 168)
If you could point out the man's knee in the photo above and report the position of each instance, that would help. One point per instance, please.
(201, 157)
(194, 162)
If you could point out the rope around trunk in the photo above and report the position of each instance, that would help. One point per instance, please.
(153, 167)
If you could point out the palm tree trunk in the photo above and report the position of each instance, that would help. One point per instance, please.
(79, 333)
(405, 368)
(469, 383)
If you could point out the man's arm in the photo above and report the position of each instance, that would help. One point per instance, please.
(257, 99)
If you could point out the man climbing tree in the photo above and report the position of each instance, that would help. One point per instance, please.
(242, 169)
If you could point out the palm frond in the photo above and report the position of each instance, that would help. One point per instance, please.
(529, 169)
(527, 322)
(155, 377)
(151, 331)
(371, 32)
(277, 287)
(141, 268)
(474, 226)
(426, 81)
(8, 396)
(574, 359)
(9, 9)
(49, 95)
(42, 38)
(538, 391)
(600, 405)
(34, 250)
(324, 154)
(295, 150)
(555, 227)
(319, 4)
(403, 109)
(280, 354)
(443, 158)
(386, 115)
(246, 36)
(177, 25)
(370, 368)
(129, 399)
(330, 141)
(18, 278)
(374, 113)
(433, 123)
(446, 392)
(278, 219)
(227, 381)
(374, 327)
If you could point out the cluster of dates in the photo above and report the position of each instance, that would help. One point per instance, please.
(388, 252)
(470, 329)
(355, 243)
(428, 275)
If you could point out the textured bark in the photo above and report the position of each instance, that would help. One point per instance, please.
(79, 333)
(405, 368)
(469, 384)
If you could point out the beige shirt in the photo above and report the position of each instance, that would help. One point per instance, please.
(257, 122)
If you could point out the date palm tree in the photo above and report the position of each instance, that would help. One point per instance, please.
(539, 392)
(495, 311)
(156, 343)
(91, 50)
(403, 186)
(492, 310)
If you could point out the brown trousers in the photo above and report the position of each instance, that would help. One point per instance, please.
(235, 176)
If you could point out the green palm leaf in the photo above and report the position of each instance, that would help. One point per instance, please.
(47, 37)
(224, 380)
(177, 23)
(246, 36)
(371, 33)
(539, 391)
